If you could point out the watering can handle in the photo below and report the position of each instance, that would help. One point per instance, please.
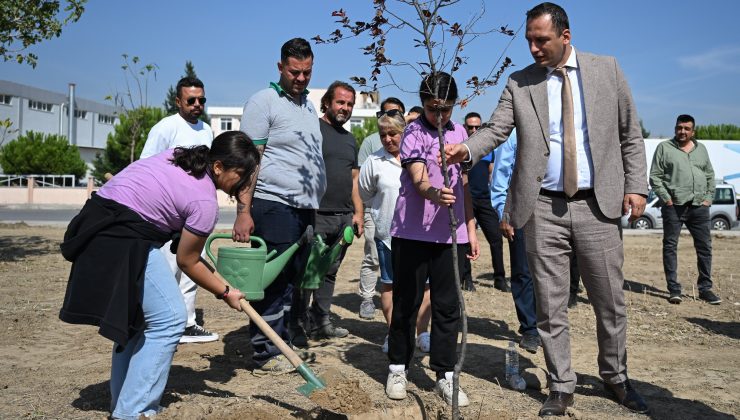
(215, 236)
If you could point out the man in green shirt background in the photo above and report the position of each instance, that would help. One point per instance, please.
(682, 176)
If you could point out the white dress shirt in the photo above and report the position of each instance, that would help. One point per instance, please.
(554, 175)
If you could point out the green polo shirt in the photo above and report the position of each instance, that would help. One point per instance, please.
(683, 178)
(292, 169)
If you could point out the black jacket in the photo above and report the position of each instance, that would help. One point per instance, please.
(108, 245)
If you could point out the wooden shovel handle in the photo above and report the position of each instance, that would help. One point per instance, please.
(294, 359)
(284, 348)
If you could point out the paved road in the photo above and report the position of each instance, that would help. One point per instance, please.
(42, 216)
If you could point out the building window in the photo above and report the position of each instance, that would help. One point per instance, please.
(225, 124)
(106, 119)
(355, 122)
(80, 114)
(40, 106)
(6, 99)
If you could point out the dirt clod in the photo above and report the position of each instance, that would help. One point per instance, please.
(341, 395)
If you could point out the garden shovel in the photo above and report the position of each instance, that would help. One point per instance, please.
(313, 382)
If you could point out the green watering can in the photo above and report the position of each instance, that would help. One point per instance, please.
(322, 257)
(252, 270)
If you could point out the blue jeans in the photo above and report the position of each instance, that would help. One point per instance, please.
(697, 221)
(385, 262)
(139, 372)
(522, 286)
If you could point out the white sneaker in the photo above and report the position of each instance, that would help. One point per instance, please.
(395, 387)
(385, 345)
(444, 389)
(423, 342)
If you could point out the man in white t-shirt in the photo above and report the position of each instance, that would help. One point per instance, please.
(183, 129)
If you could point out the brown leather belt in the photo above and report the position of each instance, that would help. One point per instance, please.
(580, 195)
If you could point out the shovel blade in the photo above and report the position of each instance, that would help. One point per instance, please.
(313, 382)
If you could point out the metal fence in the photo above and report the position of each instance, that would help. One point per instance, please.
(42, 181)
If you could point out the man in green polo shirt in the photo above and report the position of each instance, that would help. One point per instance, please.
(280, 204)
(683, 177)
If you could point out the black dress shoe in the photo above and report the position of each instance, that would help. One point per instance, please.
(502, 284)
(556, 404)
(530, 342)
(572, 300)
(627, 396)
(468, 285)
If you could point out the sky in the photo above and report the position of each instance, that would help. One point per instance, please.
(678, 56)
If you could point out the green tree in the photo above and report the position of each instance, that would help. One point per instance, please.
(24, 23)
(132, 129)
(717, 132)
(129, 101)
(645, 132)
(369, 126)
(43, 154)
(169, 101)
(6, 130)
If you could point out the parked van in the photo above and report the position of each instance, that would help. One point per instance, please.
(723, 212)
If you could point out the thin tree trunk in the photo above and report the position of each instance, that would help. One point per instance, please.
(458, 288)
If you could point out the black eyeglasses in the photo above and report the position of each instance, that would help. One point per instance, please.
(201, 100)
(390, 113)
(472, 127)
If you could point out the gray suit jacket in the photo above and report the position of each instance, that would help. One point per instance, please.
(614, 134)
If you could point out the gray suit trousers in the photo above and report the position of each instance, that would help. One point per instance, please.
(556, 229)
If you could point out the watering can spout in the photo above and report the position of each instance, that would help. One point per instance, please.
(275, 264)
(322, 257)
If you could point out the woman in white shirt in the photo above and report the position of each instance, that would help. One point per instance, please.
(379, 185)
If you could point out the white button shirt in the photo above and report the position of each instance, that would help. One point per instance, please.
(554, 175)
(380, 181)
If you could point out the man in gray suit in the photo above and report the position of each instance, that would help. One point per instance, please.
(580, 166)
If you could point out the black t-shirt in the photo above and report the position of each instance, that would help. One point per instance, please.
(340, 157)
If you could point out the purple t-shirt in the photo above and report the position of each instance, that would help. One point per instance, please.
(416, 217)
(165, 195)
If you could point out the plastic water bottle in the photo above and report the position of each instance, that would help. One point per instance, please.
(513, 378)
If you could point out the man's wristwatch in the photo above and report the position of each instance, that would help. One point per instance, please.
(224, 294)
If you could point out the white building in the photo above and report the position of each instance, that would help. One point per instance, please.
(224, 118)
(43, 111)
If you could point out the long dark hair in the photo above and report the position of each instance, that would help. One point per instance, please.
(233, 149)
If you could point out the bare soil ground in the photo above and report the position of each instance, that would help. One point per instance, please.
(684, 359)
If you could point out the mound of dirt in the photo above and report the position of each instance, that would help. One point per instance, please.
(341, 395)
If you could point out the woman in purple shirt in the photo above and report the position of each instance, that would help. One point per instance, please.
(421, 244)
(120, 280)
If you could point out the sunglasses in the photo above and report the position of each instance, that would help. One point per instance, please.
(201, 100)
(472, 127)
(390, 113)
